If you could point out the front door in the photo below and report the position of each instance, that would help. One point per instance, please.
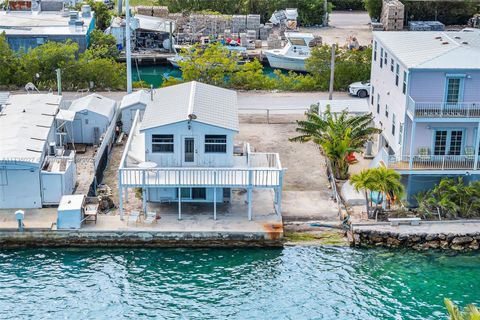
(189, 150)
(51, 188)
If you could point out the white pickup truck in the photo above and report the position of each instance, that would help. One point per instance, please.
(360, 89)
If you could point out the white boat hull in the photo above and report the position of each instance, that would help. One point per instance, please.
(280, 61)
(173, 61)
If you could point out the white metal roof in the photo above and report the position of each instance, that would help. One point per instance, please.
(154, 23)
(25, 123)
(4, 97)
(66, 115)
(40, 23)
(353, 106)
(433, 49)
(95, 103)
(71, 202)
(134, 98)
(210, 105)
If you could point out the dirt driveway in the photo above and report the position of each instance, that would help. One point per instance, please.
(306, 193)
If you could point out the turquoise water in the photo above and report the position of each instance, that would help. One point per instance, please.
(154, 74)
(290, 283)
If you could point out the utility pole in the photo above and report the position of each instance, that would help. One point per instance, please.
(325, 16)
(59, 81)
(332, 73)
(128, 50)
(119, 6)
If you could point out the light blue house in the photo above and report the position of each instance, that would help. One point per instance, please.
(425, 96)
(183, 150)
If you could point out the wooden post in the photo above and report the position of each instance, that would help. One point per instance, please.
(144, 201)
(332, 73)
(249, 201)
(215, 203)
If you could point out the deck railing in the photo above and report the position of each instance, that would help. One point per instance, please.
(443, 109)
(432, 162)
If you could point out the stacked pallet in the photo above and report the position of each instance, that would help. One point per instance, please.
(239, 23)
(393, 12)
(253, 21)
(264, 31)
(274, 42)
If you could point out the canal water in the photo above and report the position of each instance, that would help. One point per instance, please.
(155, 74)
(289, 283)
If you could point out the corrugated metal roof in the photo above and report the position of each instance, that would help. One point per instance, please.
(211, 105)
(25, 123)
(95, 103)
(136, 97)
(433, 49)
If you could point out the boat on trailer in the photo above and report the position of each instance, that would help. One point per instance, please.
(294, 54)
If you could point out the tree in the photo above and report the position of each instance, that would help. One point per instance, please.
(470, 312)
(213, 64)
(9, 72)
(388, 183)
(250, 76)
(102, 45)
(337, 134)
(103, 15)
(374, 8)
(362, 181)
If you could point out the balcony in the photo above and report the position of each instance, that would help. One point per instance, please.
(443, 109)
(429, 162)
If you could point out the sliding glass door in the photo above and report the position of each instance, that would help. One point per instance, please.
(448, 142)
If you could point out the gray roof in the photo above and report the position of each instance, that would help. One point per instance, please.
(433, 49)
(95, 103)
(25, 123)
(211, 105)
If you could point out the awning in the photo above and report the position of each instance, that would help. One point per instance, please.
(66, 115)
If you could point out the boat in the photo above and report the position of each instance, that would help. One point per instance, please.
(174, 60)
(294, 54)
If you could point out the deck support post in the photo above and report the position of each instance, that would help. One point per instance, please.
(249, 201)
(179, 203)
(410, 164)
(214, 203)
(279, 194)
(126, 195)
(120, 200)
(477, 146)
(144, 201)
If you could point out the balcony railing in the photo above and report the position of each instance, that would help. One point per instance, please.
(443, 109)
(431, 162)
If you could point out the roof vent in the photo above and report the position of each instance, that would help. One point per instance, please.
(438, 38)
(445, 42)
(464, 42)
(457, 37)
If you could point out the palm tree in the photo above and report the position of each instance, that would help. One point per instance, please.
(363, 181)
(386, 181)
(337, 134)
(470, 312)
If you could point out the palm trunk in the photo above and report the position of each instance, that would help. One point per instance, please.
(366, 203)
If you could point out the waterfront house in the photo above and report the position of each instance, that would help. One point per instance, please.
(34, 171)
(425, 96)
(93, 116)
(183, 150)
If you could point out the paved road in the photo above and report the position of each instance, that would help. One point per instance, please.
(254, 101)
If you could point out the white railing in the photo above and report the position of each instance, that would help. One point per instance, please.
(443, 109)
(431, 162)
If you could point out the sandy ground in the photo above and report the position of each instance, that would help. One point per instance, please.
(344, 24)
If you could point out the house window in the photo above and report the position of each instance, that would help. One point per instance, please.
(215, 143)
(386, 59)
(392, 64)
(378, 103)
(400, 133)
(193, 193)
(393, 124)
(162, 143)
(453, 90)
(375, 51)
(386, 110)
(372, 95)
(381, 57)
(404, 88)
(397, 74)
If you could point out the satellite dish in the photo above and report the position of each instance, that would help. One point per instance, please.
(192, 116)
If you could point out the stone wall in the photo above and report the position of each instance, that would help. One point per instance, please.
(14, 239)
(420, 241)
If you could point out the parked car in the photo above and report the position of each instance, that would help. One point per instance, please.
(360, 89)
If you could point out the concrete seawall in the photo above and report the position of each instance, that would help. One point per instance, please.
(447, 235)
(47, 238)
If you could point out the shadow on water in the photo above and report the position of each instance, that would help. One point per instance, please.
(289, 283)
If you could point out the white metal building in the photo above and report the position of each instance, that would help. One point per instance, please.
(33, 171)
(94, 114)
(132, 102)
(183, 150)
